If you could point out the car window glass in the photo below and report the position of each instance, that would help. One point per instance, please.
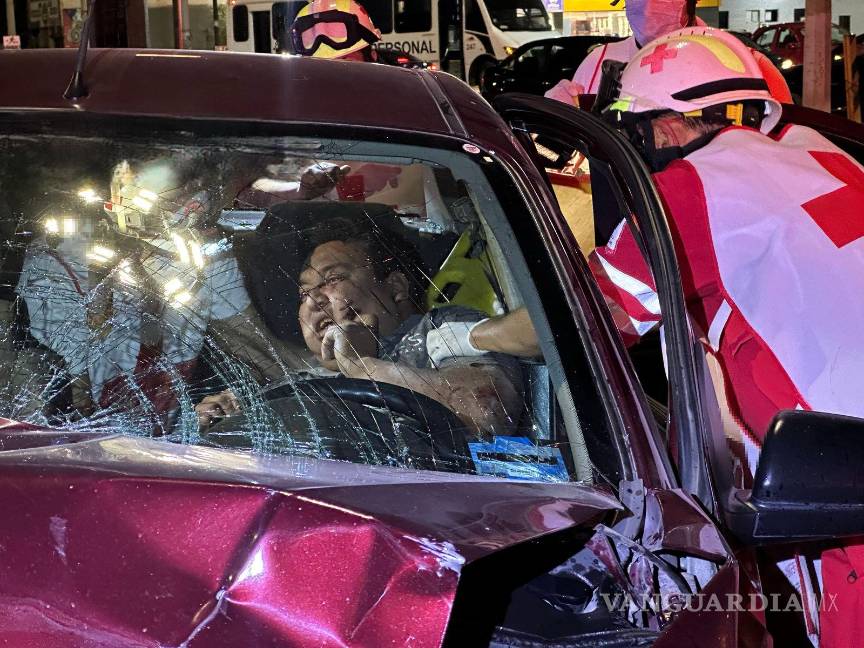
(300, 299)
(766, 38)
(591, 202)
(593, 205)
(283, 15)
(413, 16)
(837, 34)
(381, 13)
(518, 15)
(531, 62)
(561, 63)
(474, 17)
(240, 23)
(787, 38)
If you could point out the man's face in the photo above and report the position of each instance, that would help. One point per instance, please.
(339, 286)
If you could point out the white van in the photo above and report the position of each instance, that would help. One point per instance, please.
(463, 37)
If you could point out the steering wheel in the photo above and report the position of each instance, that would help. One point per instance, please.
(434, 439)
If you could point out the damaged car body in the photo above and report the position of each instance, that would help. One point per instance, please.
(229, 418)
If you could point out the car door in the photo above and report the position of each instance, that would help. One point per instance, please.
(554, 134)
(552, 128)
(789, 44)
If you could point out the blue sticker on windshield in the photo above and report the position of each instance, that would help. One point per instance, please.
(518, 458)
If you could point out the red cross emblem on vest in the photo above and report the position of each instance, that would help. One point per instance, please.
(839, 213)
(655, 59)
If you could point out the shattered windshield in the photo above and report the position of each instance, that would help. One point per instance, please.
(306, 297)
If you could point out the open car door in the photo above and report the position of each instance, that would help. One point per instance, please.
(621, 188)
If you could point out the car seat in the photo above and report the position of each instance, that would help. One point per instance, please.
(466, 279)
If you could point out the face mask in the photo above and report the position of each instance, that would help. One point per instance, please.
(651, 19)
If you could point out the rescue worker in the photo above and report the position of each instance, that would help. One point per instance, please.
(335, 29)
(129, 308)
(649, 19)
(769, 240)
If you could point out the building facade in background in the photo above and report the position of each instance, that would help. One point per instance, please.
(601, 18)
(117, 23)
(749, 15)
(150, 23)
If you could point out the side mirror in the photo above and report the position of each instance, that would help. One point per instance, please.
(810, 479)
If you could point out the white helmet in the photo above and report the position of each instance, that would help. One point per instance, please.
(695, 68)
(154, 199)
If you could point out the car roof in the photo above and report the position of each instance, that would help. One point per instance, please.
(246, 87)
(570, 40)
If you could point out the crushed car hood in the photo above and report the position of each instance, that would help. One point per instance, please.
(121, 541)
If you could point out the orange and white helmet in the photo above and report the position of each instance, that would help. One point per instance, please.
(332, 29)
(693, 69)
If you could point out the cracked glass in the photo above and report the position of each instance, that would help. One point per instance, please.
(296, 298)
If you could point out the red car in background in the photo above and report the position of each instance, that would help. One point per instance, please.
(349, 512)
(786, 41)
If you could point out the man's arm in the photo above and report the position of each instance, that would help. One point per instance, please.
(481, 394)
(512, 334)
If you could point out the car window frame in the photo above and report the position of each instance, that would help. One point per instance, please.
(770, 44)
(447, 148)
(689, 412)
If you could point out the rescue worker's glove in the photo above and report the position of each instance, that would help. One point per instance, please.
(452, 340)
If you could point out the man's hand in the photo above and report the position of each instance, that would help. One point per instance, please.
(319, 179)
(344, 347)
(215, 407)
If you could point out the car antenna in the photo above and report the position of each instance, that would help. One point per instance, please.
(77, 88)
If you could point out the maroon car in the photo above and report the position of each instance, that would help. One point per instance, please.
(786, 41)
(184, 463)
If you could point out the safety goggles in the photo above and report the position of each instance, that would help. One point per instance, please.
(336, 29)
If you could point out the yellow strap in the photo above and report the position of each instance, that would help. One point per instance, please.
(735, 112)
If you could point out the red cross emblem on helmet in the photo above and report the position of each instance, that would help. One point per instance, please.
(655, 59)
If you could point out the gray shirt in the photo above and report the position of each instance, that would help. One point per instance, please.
(408, 343)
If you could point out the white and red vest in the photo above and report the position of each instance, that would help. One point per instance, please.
(590, 71)
(769, 234)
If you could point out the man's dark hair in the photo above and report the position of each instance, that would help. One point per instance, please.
(272, 261)
(385, 243)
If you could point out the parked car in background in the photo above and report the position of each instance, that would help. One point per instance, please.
(787, 41)
(537, 66)
(404, 60)
(747, 39)
(794, 72)
(334, 511)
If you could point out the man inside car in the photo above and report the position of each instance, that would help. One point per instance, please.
(360, 316)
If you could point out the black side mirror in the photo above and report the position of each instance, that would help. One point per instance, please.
(810, 479)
